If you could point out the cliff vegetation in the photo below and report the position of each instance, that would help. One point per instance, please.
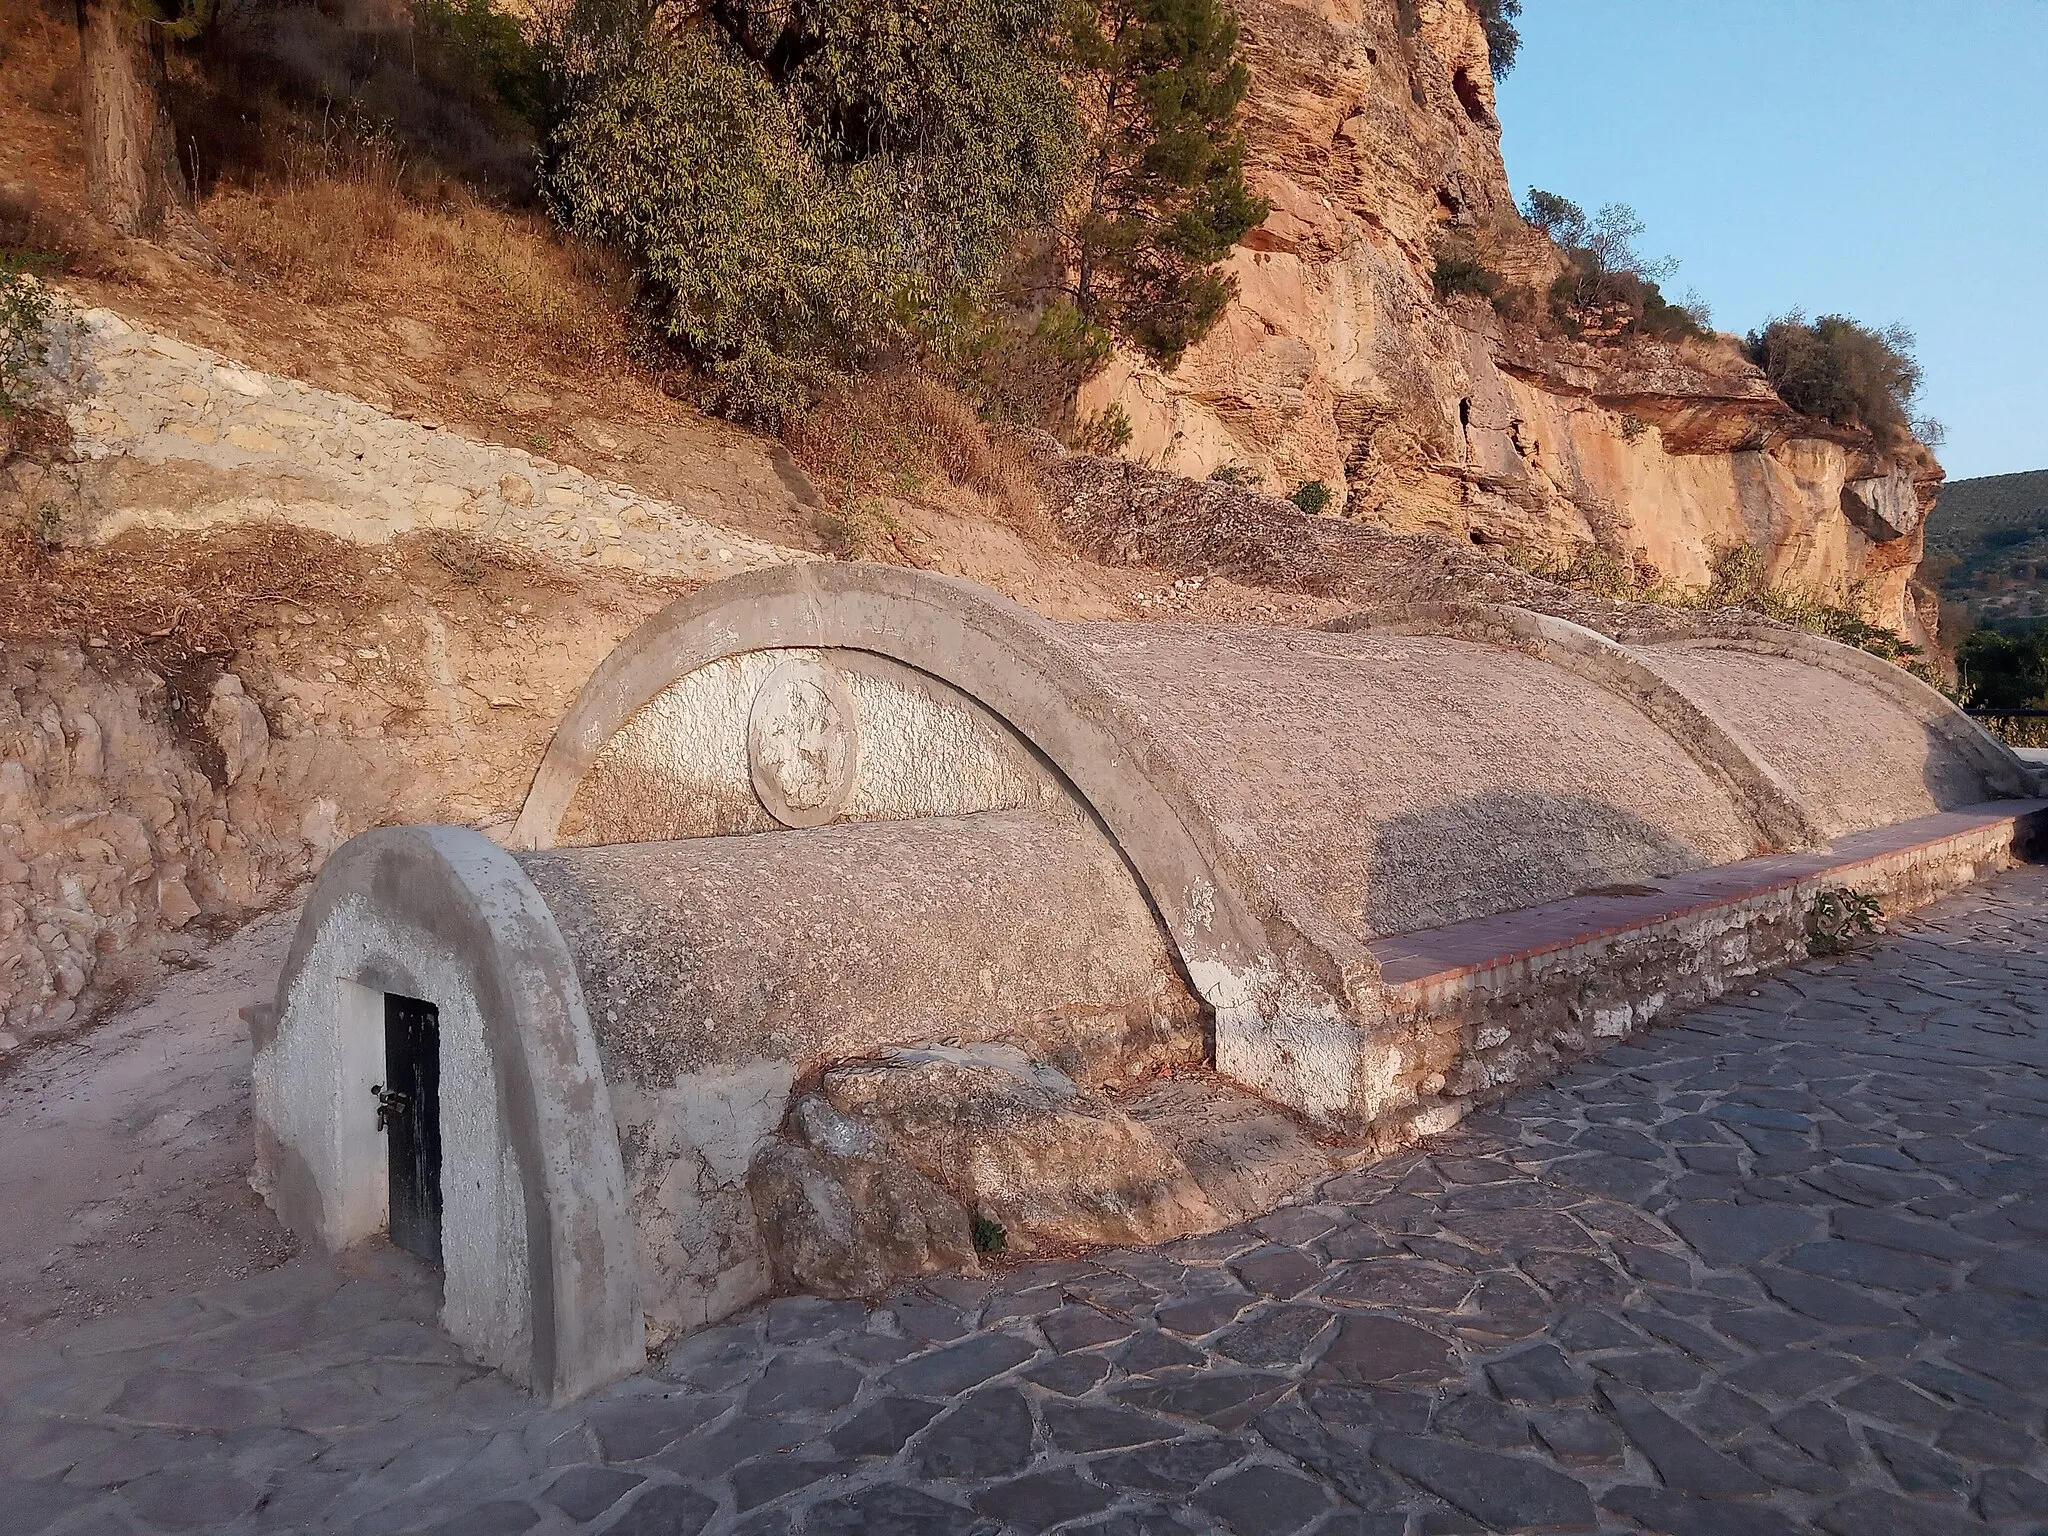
(1252, 240)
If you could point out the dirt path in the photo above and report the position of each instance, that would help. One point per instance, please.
(124, 1153)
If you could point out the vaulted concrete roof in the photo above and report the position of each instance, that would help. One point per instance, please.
(1288, 797)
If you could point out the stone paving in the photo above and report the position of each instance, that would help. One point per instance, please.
(1779, 1266)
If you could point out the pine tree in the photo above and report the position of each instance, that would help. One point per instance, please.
(132, 177)
(1163, 195)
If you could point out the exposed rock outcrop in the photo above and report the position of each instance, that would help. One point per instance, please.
(903, 1163)
(1022, 1146)
(1372, 131)
(841, 1212)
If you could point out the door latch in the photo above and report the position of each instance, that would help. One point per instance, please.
(388, 1105)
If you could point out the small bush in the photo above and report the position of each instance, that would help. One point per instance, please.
(903, 433)
(808, 188)
(1234, 473)
(1840, 371)
(1312, 497)
(1608, 288)
(1026, 377)
(770, 267)
(1657, 316)
(1108, 431)
(1517, 303)
(1741, 579)
(1455, 274)
(25, 309)
(988, 1234)
(1838, 918)
(1591, 569)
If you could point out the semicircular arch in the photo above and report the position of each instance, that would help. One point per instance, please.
(540, 1265)
(1227, 922)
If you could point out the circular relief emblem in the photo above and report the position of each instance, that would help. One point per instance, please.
(803, 745)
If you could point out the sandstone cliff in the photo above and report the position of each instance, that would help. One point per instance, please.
(1372, 129)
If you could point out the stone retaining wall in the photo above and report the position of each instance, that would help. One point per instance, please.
(1510, 999)
(169, 435)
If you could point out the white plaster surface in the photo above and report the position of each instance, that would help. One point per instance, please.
(687, 1147)
(803, 742)
(688, 763)
(316, 1120)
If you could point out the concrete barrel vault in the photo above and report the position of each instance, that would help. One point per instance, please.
(819, 812)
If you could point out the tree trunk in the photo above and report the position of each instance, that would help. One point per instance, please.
(131, 161)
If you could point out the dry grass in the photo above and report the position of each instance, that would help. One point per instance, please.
(172, 601)
(349, 222)
(906, 436)
(1741, 580)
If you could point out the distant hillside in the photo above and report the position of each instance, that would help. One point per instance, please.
(1987, 548)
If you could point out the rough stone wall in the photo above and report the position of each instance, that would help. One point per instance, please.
(1470, 1037)
(111, 834)
(169, 435)
(130, 811)
(1372, 130)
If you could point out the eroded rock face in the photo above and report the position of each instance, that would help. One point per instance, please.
(843, 1214)
(111, 831)
(1022, 1146)
(884, 1172)
(1372, 130)
(1885, 506)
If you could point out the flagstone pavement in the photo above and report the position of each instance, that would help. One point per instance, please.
(1778, 1265)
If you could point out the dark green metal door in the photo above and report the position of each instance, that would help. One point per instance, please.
(409, 1109)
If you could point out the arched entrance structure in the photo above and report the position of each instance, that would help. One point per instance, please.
(825, 813)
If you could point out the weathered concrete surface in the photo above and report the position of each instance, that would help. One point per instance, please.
(1771, 804)
(1288, 797)
(1856, 759)
(722, 972)
(1397, 784)
(714, 954)
(1772, 1268)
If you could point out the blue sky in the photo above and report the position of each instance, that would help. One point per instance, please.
(1886, 159)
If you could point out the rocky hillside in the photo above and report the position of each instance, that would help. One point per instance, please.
(1987, 547)
(1373, 131)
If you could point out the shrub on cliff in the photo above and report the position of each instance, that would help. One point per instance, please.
(1608, 287)
(1459, 270)
(1842, 372)
(25, 309)
(1163, 195)
(803, 186)
(1503, 37)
